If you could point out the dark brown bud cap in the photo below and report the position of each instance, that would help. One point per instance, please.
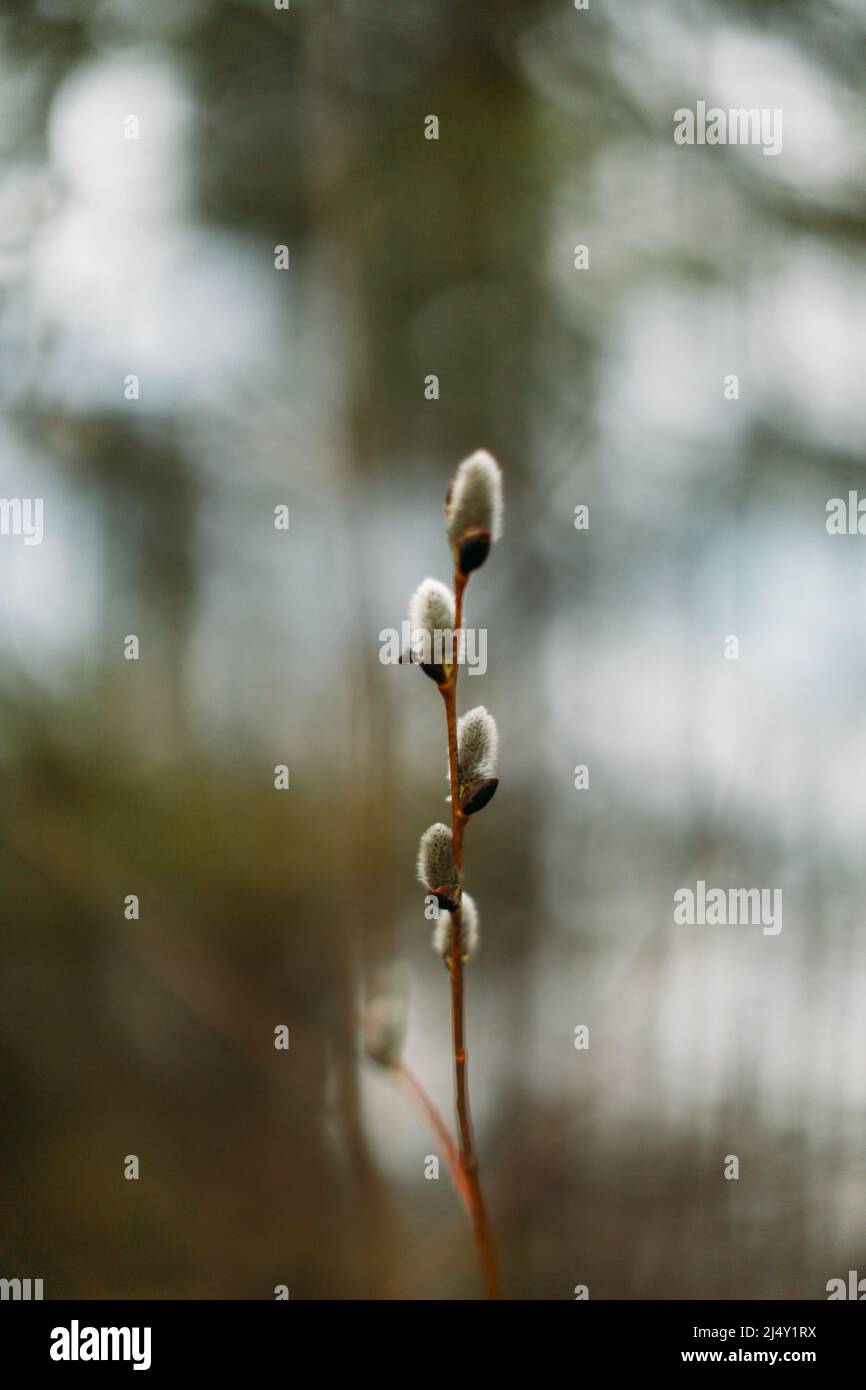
(473, 549)
(476, 796)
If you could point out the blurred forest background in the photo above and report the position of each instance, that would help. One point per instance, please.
(305, 387)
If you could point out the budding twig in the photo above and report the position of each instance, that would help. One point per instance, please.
(419, 1097)
(473, 511)
(468, 1156)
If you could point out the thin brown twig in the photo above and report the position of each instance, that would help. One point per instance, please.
(407, 1079)
(468, 1156)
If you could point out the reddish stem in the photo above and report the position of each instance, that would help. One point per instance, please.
(468, 1157)
(412, 1086)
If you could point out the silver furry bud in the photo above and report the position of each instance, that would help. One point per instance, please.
(384, 1016)
(469, 930)
(473, 509)
(477, 745)
(431, 624)
(436, 867)
(477, 756)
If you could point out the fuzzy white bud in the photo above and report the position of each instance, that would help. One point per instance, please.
(384, 1016)
(477, 745)
(473, 509)
(469, 932)
(436, 867)
(431, 614)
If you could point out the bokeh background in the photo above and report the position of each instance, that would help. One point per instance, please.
(305, 388)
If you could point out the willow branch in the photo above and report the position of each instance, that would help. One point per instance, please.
(409, 1083)
(468, 1156)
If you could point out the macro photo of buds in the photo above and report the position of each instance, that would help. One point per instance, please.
(432, 599)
